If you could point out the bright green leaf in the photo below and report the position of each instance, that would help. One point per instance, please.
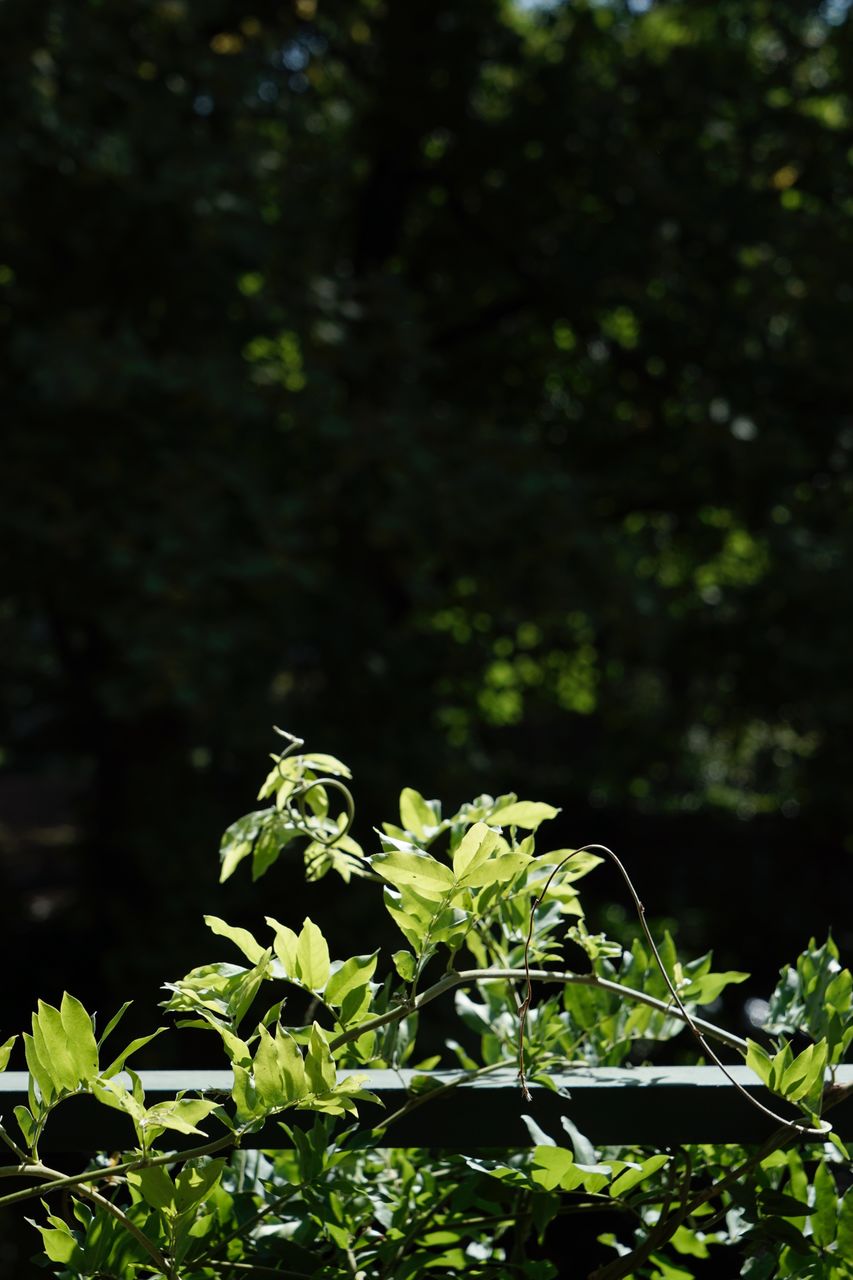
(54, 1051)
(292, 1066)
(319, 1065)
(241, 938)
(496, 870)
(182, 1115)
(80, 1037)
(478, 843)
(117, 1064)
(419, 871)
(405, 964)
(237, 843)
(285, 946)
(758, 1060)
(5, 1051)
(706, 989)
(353, 973)
(415, 813)
(633, 1177)
(26, 1123)
(114, 1021)
(312, 956)
(58, 1243)
(524, 813)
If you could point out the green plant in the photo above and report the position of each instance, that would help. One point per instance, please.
(485, 915)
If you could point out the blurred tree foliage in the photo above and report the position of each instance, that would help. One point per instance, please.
(465, 386)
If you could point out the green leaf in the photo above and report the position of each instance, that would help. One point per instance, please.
(52, 1045)
(839, 1146)
(278, 1070)
(631, 1178)
(312, 956)
(824, 1213)
(355, 1006)
(114, 1021)
(686, 1241)
(524, 813)
(196, 1183)
(292, 1066)
(182, 1115)
(238, 841)
(496, 870)
(430, 878)
(405, 964)
(319, 1065)
(154, 1186)
(272, 837)
(246, 987)
(551, 1166)
(666, 1270)
(117, 1063)
(5, 1051)
(26, 1123)
(80, 1037)
(555, 1167)
(581, 1145)
(241, 938)
(844, 1235)
(321, 763)
(706, 989)
(267, 1071)
(58, 1243)
(285, 946)
(803, 1079)
(478, 843)
(416, 815)
(245, 1095)
(758, 1060)
(113, 1094)
(409, 915)
(353, 973)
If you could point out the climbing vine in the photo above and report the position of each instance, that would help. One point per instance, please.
(492, 919)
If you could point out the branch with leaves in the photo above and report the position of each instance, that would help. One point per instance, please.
(486, 917)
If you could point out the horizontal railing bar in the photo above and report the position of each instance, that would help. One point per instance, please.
(614, 1106)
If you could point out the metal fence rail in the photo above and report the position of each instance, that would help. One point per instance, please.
(661, 1106)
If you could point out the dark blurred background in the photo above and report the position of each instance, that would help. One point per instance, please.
(464, 386)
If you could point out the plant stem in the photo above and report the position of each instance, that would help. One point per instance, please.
(420, 1098)
(803, 1130)
(13, 1146)
(451, 980)
(254, 1268)
(420, 1225)
(131, 1228)
(61, 1181)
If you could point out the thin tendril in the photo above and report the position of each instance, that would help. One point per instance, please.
(299, 796)
(300, 793)
(805, 1131)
